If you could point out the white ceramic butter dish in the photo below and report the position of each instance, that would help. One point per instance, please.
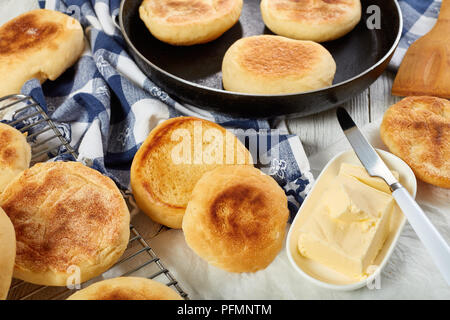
(322, 275)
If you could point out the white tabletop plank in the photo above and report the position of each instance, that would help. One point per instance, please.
(380, 97)
(319, 131)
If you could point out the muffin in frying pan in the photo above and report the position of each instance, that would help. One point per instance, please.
(189, 22)
(276, 65)
(315, 20)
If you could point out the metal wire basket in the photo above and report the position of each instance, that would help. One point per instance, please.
(47, 140)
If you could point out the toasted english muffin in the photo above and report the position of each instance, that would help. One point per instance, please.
(8, 253)
(38, 44)
(189, 22)
(173, 158)
(315, 20)
(69, 219)
(236, 219)
(15, 154)
(126, 288)
(417, 129)
(276, 65)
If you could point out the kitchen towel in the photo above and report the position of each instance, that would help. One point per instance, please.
(419, 16)
(106, 107)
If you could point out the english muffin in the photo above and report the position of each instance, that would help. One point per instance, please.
(15, 154)
(38, 44)
(126, 288)
(276, 65)
(236, 219)
(417, 129)
(189, 22)
(315, 20)
(8, 253)
(70, 221)
(173, 158)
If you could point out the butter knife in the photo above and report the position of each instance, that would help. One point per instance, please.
(427, 233)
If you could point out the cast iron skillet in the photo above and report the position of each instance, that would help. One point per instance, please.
(193, 74)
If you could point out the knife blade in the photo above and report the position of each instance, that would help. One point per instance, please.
(375, 166)
(365, 152)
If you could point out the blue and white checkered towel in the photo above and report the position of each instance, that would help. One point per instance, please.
(419, 16)
(106, 106)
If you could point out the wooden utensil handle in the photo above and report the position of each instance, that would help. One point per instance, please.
(445, 10)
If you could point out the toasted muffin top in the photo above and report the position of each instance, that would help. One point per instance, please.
(64, 214)
(277, 56)
(315, 11)
(187, 11)
(126, 288)
(33, 31)
(417, 129)
(236, 218)
(177, 153)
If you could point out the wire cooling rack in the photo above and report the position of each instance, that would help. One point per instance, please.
(47, 141)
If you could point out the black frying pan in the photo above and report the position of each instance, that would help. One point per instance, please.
(193, 74)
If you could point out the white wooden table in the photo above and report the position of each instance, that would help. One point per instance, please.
(319, 131)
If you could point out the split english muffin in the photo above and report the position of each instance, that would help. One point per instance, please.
(189, 22)
(8, 253)
(38, 44)
(126, 288)
(417, 129)
(15, 154)
(236, 219)
(66, 216)
(315, 20)
(173, 158)
(276, 65)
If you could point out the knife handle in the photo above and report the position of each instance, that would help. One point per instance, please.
(427, 233)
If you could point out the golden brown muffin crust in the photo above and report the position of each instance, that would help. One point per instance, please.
(236, 219)
(7, 253)
(25, 33)
(173, 158)
(15, 154)
(8, 155)
(184, 11)
(417, 129)
(120, 294)
(314, 10)
(64, 214)
(126, 288)
(270, 55)
(238, 214)
(150, 157)
(159, 139)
